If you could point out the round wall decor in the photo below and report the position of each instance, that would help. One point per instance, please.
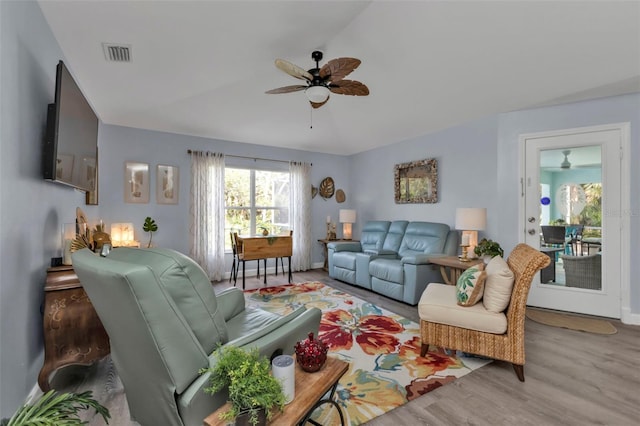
(340, 196)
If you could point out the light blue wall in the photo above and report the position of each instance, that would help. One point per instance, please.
(119, 144)
(617, 109)
(466, 157)
(478, 167)
(31, 210)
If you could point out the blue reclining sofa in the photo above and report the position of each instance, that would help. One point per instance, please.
(392, 257)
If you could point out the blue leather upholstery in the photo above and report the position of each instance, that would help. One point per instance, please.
(394, 263)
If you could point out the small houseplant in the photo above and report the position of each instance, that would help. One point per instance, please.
(150, 227)
(488, 249)
(252, 388)
(57, 409)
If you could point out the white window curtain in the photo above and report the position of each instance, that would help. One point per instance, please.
(300, 187)
(207, 212)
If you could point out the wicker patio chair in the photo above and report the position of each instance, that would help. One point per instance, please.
(583, 271)
(524, 261)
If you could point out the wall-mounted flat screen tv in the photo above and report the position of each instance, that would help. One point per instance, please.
(71, 141)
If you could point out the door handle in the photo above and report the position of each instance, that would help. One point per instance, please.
(531, 231)
(531, 219)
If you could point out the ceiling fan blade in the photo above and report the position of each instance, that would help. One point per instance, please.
(316, 105)
(339, 68)
(349, 87)
(286, 89)
(293, 70)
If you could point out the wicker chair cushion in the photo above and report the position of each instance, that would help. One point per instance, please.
(498, 286)
(470, 286)
(438, 304)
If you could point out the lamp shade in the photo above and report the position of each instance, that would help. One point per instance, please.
(347, 216)
(317, 94)
(471, 219)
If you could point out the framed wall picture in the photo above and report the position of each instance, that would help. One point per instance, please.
(416, 182)
(136, 182)
(167, 183)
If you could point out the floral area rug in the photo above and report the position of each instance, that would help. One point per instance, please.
(382, 348)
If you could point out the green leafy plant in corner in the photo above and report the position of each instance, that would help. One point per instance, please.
(488, 248)
(248, 377)
(150, 227)
(56, 409)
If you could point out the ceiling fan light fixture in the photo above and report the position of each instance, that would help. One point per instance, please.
(317, 94)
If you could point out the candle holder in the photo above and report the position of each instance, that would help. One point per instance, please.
(464, 257)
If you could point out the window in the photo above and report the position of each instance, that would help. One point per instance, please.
(255, 200)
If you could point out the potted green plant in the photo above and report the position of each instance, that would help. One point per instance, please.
(150, 227)
(253, 391)
(488, 249)
(57, 409)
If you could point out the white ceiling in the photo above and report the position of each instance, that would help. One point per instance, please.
(202, 67)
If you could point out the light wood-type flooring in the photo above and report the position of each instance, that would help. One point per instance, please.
(571, 377)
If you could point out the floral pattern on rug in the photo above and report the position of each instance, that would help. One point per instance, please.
(382, 348)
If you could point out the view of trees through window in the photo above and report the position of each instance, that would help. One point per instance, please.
(256, 200)
(591, 215)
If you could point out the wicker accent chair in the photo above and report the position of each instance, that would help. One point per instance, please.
(524, 261)
(583, 271)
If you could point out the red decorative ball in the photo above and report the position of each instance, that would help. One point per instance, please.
(311, 354)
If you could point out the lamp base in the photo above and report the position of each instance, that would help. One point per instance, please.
(464, 257)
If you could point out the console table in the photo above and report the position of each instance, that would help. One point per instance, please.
(455, 266)
(73, 333)
(310, 390)
(263, 248)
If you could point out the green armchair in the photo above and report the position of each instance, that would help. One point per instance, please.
(164, 321)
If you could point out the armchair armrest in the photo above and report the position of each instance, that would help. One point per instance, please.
(342, 246)
(230, 302)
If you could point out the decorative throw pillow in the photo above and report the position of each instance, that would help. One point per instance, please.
(497, 289)
(470, 285)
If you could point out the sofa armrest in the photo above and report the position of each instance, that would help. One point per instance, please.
(342, 246)
(418, 259)
(230, 302)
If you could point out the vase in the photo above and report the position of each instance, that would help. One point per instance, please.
(244, 418)
(311, 354)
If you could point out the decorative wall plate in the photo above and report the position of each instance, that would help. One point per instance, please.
(340, 196)
(327, 188)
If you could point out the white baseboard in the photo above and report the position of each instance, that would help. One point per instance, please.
(629, 317)
(270, 270)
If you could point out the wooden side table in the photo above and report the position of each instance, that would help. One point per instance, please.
(73, 333)
(324, 243)
(454, 265)
(310, 390)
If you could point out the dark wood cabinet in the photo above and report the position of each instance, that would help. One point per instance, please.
(73, 333)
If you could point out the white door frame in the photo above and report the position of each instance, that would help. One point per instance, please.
(625, 234)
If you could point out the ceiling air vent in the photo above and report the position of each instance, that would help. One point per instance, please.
(117, 52)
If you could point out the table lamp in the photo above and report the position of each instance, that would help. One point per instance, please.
(347, 217)
(470, 221)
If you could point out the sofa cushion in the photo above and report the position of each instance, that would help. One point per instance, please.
(470, 286)
(424, 237)
(387, 270)
(394, 237)
(373, 234)
(438, 304)
(188, 286)
(498, 286)
(345, 259)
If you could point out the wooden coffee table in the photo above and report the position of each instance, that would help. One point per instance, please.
(310, 389)
(455, 266)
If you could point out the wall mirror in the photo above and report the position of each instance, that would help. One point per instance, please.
(416, 182)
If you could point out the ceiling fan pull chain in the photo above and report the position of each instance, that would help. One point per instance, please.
(311, 117)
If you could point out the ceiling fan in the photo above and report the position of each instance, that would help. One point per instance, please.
(568, 165)
(320, 82)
